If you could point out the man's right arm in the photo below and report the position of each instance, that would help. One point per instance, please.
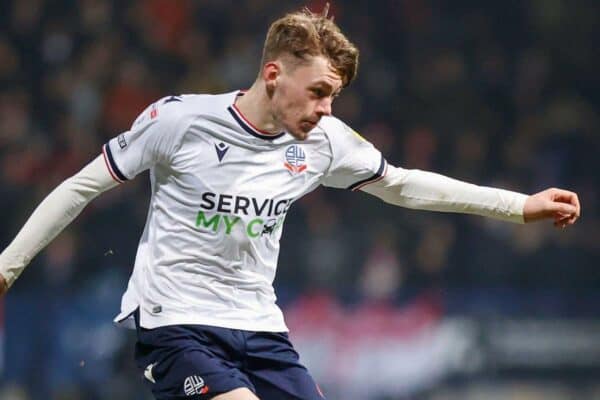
(53, 214)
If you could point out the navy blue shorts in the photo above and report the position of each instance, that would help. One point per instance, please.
(200, 362)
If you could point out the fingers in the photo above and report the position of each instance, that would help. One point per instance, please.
(566, 207)
(562, 219)
(561, 205)
(565, 196)
(567, 215)
(563, 222)
(577, 205)
(563, 209)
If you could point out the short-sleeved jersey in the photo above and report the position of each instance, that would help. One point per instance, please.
(221, 190)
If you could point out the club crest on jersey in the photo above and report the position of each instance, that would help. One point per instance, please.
(194, 385)
(295, 159)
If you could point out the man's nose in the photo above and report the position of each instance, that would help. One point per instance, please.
(324, 106)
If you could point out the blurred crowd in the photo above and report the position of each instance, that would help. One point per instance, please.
(499, 93)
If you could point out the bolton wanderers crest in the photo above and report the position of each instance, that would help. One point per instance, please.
(295, 159)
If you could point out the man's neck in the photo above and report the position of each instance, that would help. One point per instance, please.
(255, 107)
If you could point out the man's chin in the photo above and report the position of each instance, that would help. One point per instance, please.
(300, 135)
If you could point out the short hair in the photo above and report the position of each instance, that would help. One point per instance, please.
(305, 34)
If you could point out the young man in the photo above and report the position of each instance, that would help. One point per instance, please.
(225, 170)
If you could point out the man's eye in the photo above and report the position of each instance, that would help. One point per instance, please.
(318, 92)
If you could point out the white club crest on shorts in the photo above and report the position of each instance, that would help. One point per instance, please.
(295, 159)
(194, 385)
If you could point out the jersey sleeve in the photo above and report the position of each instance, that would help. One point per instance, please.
(153, 138)
(355, 161)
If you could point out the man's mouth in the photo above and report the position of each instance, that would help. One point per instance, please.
(311, 123)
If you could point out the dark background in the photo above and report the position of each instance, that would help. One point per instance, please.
(499, 93)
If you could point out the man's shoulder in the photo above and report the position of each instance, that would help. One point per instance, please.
(329, 122)
(199, 102)
(334, 128)
(182, 108)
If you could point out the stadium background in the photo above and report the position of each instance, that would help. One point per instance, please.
(384, 303)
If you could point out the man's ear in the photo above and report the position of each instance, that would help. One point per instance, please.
(270, 73)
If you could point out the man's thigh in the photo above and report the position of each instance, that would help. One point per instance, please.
(237, 394)
(274, 368)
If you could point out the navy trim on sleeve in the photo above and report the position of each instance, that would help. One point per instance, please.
(378, 175)
(112, 166)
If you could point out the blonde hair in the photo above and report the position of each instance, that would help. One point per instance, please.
(304, 34)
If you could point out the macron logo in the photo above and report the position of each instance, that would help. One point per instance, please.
(221, 150)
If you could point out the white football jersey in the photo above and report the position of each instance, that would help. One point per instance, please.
(220, 192)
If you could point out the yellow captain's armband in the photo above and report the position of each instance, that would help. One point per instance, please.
(358, 135)
(355, 133)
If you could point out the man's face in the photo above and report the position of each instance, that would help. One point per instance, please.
(303, 94)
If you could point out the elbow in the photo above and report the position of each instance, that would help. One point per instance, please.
(77, 189)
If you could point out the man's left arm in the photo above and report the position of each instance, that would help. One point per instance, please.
(424, 190)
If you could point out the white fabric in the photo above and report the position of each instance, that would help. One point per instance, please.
(430, 191)
(220, 193)
(354, 161)
(55, 212)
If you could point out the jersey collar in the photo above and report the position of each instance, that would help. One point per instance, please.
(247, 125)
